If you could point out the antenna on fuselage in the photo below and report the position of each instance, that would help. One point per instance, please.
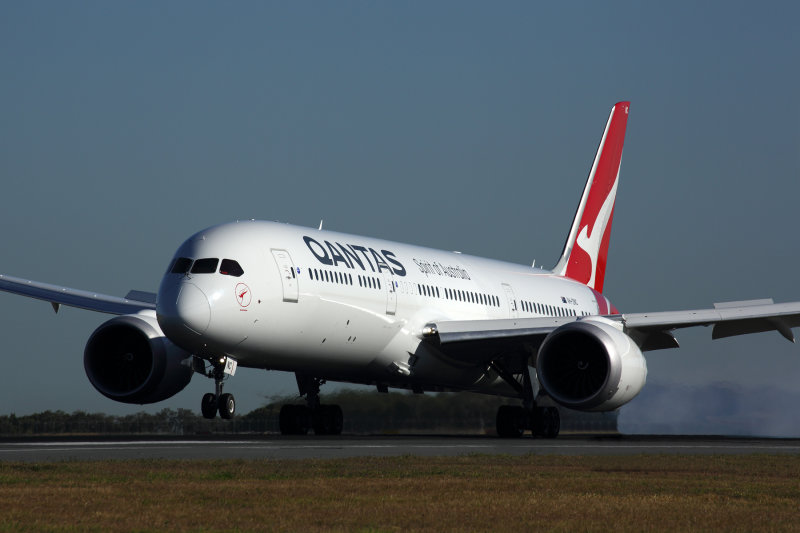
(320, 225)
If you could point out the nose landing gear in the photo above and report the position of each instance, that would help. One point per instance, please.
(214, 402)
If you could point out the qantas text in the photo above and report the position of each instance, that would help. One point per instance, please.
(351, 255)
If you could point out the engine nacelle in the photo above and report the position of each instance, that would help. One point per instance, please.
(590, 365)
(128, 359)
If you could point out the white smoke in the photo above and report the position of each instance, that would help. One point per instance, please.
(715, 409)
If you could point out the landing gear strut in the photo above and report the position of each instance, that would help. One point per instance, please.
(513, 420)
(298, 419)
(217, 401)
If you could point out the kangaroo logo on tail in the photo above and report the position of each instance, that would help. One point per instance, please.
(586, 250)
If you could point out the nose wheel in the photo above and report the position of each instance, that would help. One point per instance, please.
(208, 406)
(212, 402)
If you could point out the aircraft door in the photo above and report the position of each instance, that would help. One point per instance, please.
(288, 275)
(512, 301)
(391, 295)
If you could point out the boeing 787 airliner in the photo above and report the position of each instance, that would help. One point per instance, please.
(329, 306)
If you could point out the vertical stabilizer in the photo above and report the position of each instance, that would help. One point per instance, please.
(586, 250)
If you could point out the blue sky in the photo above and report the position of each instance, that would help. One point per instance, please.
(125, 127)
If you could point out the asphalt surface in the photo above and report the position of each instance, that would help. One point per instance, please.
(278, 447)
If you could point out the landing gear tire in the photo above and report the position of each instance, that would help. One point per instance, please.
(227, 406)
(547, 422)
(511, 421)
(551, 422)
(294, 419)
(327, 420)
(337, 419)
(208, 406)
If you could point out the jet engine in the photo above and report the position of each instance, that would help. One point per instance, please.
(591, 365)
(128, 359)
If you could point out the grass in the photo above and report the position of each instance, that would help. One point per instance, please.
(478, 493)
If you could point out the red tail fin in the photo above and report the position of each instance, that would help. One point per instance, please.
(586, 249)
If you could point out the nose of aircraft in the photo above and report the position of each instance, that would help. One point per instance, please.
(187, 307)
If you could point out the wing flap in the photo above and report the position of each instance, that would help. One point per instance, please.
(58, 296)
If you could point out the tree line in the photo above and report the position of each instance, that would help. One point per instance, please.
(365, 412)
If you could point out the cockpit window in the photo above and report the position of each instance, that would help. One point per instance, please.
(181, 265)
(205, 266)
(229, 267)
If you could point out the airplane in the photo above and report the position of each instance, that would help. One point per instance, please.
(330, 306)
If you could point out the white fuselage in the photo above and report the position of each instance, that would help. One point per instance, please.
(348, 308)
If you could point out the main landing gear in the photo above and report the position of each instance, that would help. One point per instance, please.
(298, 419)
(513, 420)
(217, 401)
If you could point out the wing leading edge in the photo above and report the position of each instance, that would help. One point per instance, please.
(481, 340)
(91, 301)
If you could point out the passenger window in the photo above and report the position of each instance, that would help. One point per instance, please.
(205, 266)
(181, 265)
(229, 267)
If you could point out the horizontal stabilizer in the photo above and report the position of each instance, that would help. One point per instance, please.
(743, 303)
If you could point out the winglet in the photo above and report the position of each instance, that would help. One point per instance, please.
(586, 249)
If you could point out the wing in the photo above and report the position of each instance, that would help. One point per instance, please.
(483, 341)
(728, 319)
(135, 301)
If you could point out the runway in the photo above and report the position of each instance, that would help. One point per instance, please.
(311, 447)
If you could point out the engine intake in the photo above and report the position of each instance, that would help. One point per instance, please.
(590, 365)
(128, 359)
